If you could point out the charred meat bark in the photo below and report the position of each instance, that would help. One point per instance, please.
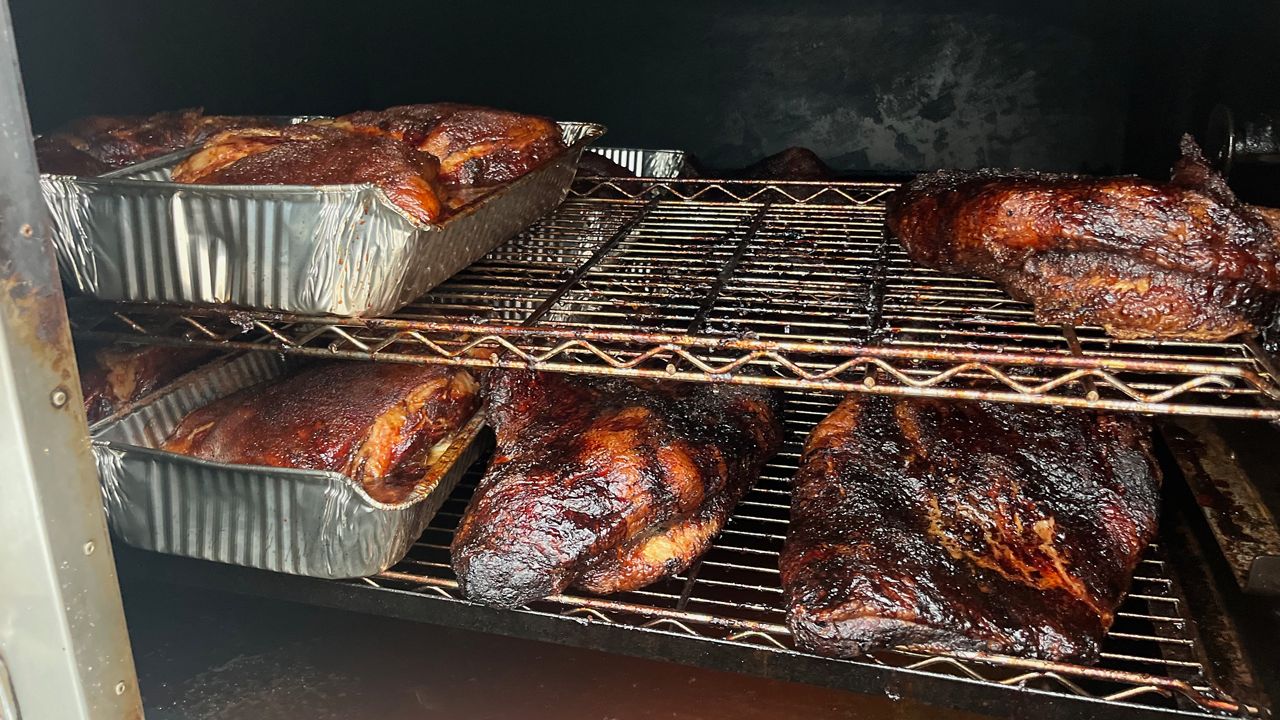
(475, 145)
(1178, 259)
(971, 526)
(606, 484)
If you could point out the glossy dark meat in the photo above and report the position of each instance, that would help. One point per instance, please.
(113, 376)
(379, 424)
(475, 145)
(1182, 259)
(319, 154)
(94, 145)
(969, 526)
(606, 484)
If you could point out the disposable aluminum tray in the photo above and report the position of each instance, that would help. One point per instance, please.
(644, 162)
(305, 522)
(342, 250)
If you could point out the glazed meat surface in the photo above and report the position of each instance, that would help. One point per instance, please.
(475, 145)
(318, 154)
(115, 375)
(606, 484)
(379, 424)
(94, 145)
(969, 526)
(1179, 259)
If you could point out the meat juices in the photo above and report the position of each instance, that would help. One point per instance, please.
(971, 526)
(606, 484)
(1180, 259)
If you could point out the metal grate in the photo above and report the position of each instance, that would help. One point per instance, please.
(786, 284)
(732, 595)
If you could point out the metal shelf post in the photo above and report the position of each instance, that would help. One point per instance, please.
(62, 630)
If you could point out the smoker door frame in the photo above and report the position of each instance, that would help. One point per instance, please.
(63, 639)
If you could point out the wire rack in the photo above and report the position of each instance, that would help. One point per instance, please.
(1150, 659)
(785, 284)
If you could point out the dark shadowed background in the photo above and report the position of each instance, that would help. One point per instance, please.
(871, 86)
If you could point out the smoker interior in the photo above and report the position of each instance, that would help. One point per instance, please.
(701, 280)
(629, 264)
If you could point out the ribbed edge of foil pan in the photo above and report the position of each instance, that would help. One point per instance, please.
(645, 162)
(295, 521)
(341, 250)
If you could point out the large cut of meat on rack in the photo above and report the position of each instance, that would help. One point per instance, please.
(94, 145)
(319, 153)
(1178, 259)
(793, 163)
(379, 424)
(969, 526)
(114, 375)
(475, 145)
(606, 484)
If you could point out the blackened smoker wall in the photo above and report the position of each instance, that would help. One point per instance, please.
(871, 86)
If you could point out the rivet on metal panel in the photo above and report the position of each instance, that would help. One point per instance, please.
(26, 230)
(89, 547)
(120, 688)
(58, 397)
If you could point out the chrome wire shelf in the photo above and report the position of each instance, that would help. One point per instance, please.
(1151, 659)
(788, 284)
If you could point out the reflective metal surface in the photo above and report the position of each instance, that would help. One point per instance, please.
(645, 163)
(332, 250)
(306, 522)
(62, 635)
(1242, 524)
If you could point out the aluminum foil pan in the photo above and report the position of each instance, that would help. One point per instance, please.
(304, 522)
(341, 250)
(644, 162)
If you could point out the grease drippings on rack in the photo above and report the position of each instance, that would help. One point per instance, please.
(241, 319)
